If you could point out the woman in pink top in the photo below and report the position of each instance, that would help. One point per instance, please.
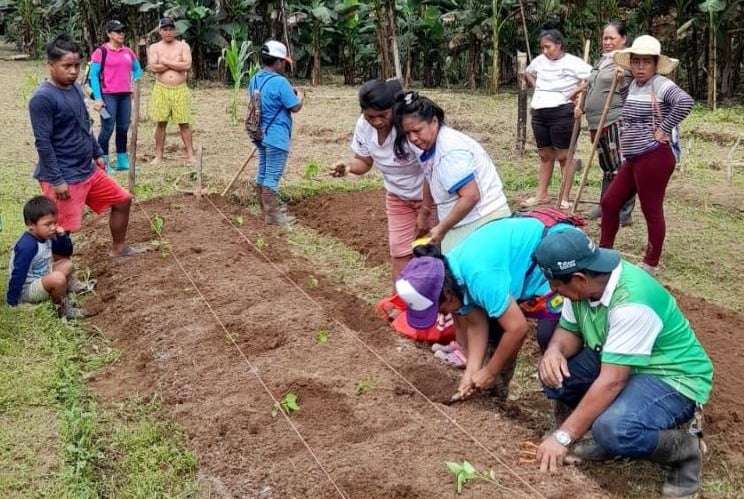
(113, 67)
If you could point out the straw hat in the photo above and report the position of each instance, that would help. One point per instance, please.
(646, 45)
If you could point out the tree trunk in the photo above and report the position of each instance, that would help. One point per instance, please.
(472, 64)
(493, 85)
(711, 83)
(521, 102)
(315, 74)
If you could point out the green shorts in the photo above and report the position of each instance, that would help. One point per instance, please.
(170, 104)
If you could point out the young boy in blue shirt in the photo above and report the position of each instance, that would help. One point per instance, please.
(35, 275)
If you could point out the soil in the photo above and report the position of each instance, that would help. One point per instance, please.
(220, 332)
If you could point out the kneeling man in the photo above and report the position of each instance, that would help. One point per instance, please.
(625, 359)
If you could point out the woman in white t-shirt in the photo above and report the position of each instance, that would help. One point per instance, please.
(557, 78)
(461, 180)
(374, 137)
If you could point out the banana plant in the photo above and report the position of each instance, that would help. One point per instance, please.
(235, 58)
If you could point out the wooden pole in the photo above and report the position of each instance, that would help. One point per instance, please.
(199, 164)
(229, 186)
(595, 142)
(524, 29)
(570, 168)
(521, 102)
(133, 139)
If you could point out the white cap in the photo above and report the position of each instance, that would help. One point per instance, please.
(276, 49)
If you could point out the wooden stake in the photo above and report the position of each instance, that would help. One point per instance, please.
(199, 158)
(730, 162)
(570, 168)
(524, 29)
(595, 143)
(229, 186)
(521, 102)
(133, 139)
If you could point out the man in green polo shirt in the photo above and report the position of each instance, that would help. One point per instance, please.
(625, 359)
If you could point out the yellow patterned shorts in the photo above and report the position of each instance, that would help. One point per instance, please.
(170, 103)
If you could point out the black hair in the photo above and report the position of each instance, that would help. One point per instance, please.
(268, 60)
(619, 27)
(61, 45)
(411, 103)
(553, 35)
(379, 95)
(37, 207)
(450, 285)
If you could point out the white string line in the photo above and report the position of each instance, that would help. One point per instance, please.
(253, 370)
(346, 329)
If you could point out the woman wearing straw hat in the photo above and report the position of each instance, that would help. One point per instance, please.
(614, 38)
(653, 107)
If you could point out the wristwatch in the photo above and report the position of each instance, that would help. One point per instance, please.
(563, 438)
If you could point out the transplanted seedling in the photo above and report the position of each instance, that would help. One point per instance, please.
(321, 336)
(364, 385)
(161, 244)
(261, 244)
(288, 405)
(312, 282)
(311, 170)
(157, 224)
(238, 220)
(465, 472)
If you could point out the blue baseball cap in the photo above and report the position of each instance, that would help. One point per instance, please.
(420, 284)
(567, 251)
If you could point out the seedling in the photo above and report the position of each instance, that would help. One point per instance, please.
(364, 385)
(311, 171)
(465, 472)
(261, 244)
(238, 220)
(163, 246)
(321, 336)
(288, 405)
(157, 225)
(312, 282)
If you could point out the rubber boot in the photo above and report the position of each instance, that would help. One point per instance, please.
(109, 170)
(122, 161)
(681, 452)
(597, 211)
(591, 451)
(259, 196)
(274, 212)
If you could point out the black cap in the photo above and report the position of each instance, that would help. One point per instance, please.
(167, 21)
(114, 25)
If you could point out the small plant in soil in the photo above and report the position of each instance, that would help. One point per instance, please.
(465, 472)
(364, 385)
(163, 246)
(321, 336)
(312, 282)
(311, 171)
(261, 243)
(288, 405)
(157, 225)
(238, 220)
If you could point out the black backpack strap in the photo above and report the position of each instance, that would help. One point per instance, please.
(104, 51)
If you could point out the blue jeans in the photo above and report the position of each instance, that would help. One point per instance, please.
(271, 164)
(630, 426)
(119, 107)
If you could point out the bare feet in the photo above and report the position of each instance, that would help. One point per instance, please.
(156, 160)
(130, 251)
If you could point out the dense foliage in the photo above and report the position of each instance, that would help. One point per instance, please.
(469, 43)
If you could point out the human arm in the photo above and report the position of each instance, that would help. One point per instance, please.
(423, 216)
(42, 112)
(468, 196)
(553, 367)
(474, 324)
(602, 392)
(153, 60)
(679, 103)
(182, 63)
(23, 254)
(514, 327)
(95, 85)
(359, 165)
(531, 79)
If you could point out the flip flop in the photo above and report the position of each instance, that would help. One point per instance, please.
(454, 358)
(131, 251)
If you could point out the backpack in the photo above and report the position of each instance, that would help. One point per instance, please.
(253, 116)
(86, 78)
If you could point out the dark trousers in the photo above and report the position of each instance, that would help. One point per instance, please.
(119, 107)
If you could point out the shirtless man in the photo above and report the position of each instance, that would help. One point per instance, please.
(170, 61)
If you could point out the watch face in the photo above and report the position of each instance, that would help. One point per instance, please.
(563, 438)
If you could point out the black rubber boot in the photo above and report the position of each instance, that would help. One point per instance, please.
(274, 211)
(591, 451)
(681, 452)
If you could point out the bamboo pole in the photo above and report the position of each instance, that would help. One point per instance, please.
(595, 143)
(524, 29)
(229, 186)
(521, 102)
(570, 168)
(133, 139)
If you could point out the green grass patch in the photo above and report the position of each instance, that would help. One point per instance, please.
(305, 188)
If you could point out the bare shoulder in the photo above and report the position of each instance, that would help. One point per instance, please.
(185, 45)
(155, 47)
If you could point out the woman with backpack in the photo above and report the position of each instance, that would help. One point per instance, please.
(461, 179)
(278, 100)
(113, 67)
(491, 285)
(653, 107)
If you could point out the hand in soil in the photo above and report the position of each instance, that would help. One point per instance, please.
(466, 387)
(553, 368)
(551, 455)
(483, 379)
(338, 169)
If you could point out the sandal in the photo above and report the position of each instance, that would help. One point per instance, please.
(131, 251)
(533, 201)
(454, 358)
(448, 348)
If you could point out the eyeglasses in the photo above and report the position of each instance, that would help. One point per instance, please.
(117, 31)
